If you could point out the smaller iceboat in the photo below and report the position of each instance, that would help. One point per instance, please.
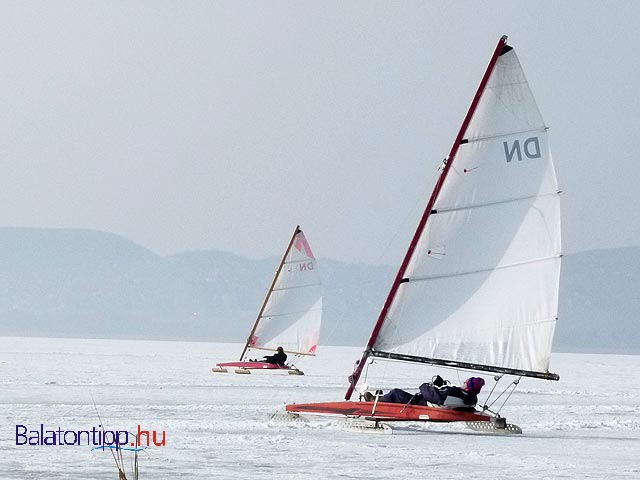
(478, 287)
(290, 316)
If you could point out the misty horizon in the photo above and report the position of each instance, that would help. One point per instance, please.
(223, 125)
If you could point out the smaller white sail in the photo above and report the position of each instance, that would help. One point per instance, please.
(292, 313)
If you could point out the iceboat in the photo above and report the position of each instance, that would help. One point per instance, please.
(478, 287)
(290, 316)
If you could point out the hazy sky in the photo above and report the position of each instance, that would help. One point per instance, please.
(220, 125)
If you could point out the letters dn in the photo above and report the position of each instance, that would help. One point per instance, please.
(530, 148)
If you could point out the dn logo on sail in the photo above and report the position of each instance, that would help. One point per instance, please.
(306, 266)
(530, 147)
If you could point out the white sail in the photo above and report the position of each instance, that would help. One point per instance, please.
(292, 314)
(481, 287)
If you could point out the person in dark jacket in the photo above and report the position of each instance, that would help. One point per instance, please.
(277, 358)
(448, 396)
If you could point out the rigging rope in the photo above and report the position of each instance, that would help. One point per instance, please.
(513, 384)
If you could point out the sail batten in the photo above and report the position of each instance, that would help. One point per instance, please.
(471, 272)
(491, 204)
(471, 140)
(291, 313)
(282, 289)
(292, 262)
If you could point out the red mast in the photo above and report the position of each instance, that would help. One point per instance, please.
(500, 48)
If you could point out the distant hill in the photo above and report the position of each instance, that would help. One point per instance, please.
(83, 283)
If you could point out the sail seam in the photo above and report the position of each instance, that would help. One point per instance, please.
(481, 270)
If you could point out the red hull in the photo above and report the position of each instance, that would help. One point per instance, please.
(254, 365)
(389, 412)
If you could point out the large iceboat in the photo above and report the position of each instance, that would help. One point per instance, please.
(478, 287)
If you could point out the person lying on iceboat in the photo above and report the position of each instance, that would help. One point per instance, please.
(277, 358)
(436, 393)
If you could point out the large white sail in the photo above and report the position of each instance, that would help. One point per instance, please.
(292, 314)
(481, 286)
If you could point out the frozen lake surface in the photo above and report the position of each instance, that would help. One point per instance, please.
(587, 425)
